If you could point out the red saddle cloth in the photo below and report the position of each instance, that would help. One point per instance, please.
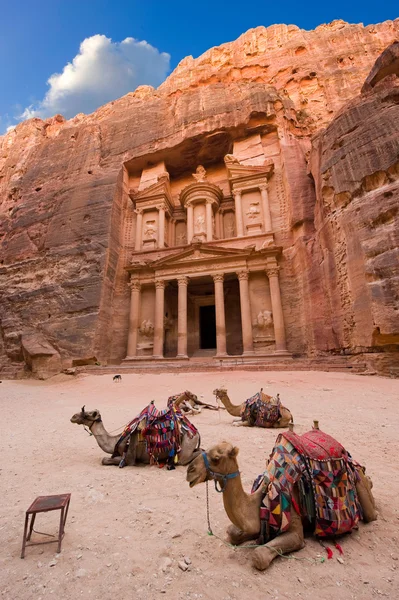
(333, 479)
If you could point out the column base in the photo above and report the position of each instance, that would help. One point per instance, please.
(157, 356)
(221, 355)
(182, 356)
(248, 353)
(282, 352)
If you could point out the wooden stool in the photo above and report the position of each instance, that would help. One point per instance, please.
(45, 504)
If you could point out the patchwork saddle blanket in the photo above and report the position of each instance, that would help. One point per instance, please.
(161, 430)
(326, 477)
(261, 410)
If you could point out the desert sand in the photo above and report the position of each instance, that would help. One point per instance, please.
(129, 528)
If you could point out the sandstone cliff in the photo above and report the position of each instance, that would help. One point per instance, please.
(63, 200)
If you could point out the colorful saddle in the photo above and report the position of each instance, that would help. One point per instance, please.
(261, 411)
(326, 477)
(161, 431)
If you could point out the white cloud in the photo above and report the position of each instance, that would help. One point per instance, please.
(103, 70)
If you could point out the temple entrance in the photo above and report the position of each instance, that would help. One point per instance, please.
(207, 325)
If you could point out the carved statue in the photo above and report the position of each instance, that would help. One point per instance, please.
(147, 328)
(253, 211)
(181, 239)
(264, 319)
(150, 230)
(200, 224)
(200, 174)
(229, 226)
(230, 159)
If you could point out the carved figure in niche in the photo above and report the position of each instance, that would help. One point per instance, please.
(253, 211)
(267, 243)
(229, 226)
(230, 159)
(181, 239)
(147, 328)
(200, 174)
(150, 230)
(264, 320)
(200, 224)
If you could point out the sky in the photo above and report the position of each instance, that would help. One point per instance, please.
(71, 56)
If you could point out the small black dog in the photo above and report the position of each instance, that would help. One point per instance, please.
(117, 378)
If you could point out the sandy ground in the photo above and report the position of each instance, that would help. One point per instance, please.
(128, 528)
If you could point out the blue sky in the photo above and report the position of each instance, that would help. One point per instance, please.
(38, 40)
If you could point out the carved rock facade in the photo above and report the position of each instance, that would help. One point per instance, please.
(200, 219)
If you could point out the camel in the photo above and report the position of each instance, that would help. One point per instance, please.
(189, 403)
(244, 510)
(249, 414)
(133, 451)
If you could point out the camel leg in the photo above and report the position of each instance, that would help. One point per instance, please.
(289, 541)
(236, 536)
(240, 423)
(111, 461)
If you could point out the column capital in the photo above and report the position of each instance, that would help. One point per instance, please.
(218, 277)
(189, 204)
(237, 193)
(139, 211)
(182, 280)
(161, 206)
(210, 201)
(272, 271)
(160, 284)
(263, 187)
(243, 275)
(134, 285)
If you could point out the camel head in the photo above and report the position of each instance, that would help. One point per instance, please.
(191, 396)
(86, 418)
(222, 460)
(220, 393)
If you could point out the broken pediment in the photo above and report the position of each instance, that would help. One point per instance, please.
(246, 174)
(154, 193)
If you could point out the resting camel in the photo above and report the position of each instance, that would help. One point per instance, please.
(244, 510)
(136, 451)
(248, 412)
(189, 403)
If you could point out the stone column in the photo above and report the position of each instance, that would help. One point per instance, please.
(134, 317)
(220, 315)
(266, 207)
(209, 225)
(161, 226)
(182, 318)
(139, 228)
(246, 322)
(239, 221)
(217, 225)
(277, 309)
(159, 318)
(190, 222)
(172, 232)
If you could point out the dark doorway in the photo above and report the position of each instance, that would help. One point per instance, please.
(207, 327)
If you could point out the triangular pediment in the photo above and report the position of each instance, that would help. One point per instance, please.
(200, 253)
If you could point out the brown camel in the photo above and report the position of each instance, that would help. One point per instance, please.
(243, 509)
(189, 403)
(135, 448)
(250, 415)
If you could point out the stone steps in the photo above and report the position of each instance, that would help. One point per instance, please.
(12, 371)
(290, 364)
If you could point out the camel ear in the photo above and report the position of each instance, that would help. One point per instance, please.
(95, 413)
(233, 453)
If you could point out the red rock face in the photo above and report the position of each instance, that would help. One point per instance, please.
(63, 190)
